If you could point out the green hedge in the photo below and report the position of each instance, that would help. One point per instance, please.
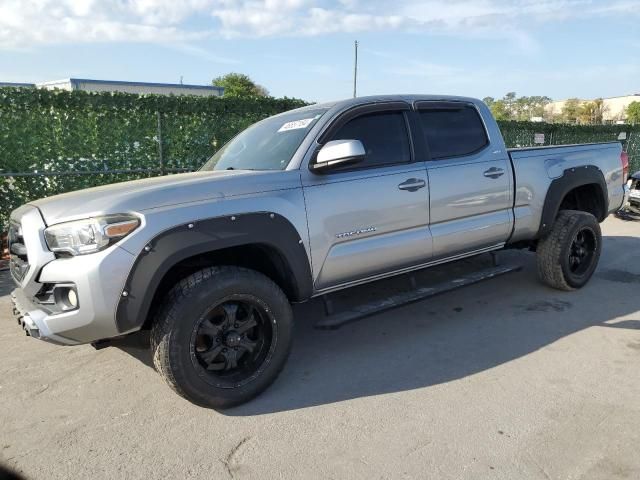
(44, 132)
(521, 134)
(51, 133)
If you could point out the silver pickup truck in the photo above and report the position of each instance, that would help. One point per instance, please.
(299, 205)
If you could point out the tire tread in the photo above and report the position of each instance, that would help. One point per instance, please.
(168, 315)
(550, 248)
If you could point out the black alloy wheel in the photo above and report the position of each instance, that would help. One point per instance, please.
(222, 335)
(582, 250)
(568, 255)
(232, 341)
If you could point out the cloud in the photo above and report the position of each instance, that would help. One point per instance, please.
(29, 23)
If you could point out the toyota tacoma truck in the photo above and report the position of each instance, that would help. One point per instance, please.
(300, 205)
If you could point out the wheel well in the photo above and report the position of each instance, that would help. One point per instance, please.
(586, 198)
(262, 258)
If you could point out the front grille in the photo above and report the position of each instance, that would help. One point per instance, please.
(18, 258)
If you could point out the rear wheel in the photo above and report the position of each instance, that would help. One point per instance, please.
(222, 336)
(569, 254)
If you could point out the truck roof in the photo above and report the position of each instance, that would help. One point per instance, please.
(410, 98)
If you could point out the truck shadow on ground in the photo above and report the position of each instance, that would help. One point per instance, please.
(444, 338)
(6, 284)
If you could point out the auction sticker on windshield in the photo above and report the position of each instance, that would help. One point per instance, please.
(296, 124)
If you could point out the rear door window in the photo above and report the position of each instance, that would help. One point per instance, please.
(452, 131)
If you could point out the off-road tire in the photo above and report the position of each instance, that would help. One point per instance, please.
(554, 249)
(173, 327)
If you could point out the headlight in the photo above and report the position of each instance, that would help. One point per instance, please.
(90, 235)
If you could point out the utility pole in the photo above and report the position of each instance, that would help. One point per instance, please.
(355, 70)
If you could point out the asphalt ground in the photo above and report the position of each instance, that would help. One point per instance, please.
(506, 379)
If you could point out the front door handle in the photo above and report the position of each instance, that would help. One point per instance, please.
(412, 185)
(493, 172)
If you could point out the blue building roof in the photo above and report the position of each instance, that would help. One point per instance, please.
(75, 81)
(16, 84)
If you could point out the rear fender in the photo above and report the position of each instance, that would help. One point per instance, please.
(572, 178)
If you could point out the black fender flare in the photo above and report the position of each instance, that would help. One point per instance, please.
(178, 243)
(572, 178)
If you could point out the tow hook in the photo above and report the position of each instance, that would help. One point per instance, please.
(100, 344)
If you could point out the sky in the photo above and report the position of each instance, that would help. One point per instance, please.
(304, 48)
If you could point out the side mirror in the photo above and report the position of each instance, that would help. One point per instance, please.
(338, 153)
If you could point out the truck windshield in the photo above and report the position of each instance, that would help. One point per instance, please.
(266, 145)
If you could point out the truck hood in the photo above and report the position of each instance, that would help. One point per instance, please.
(158, 192)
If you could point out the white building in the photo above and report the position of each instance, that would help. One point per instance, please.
(614, 107)
(89, 85)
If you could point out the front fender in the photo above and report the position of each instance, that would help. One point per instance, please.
(178, 243)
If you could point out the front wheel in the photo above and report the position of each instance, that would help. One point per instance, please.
(222, 336)
(569, 254)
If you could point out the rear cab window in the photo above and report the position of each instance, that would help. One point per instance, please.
(452, 129)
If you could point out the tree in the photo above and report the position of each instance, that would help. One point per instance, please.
(497, 107)
(239, 85)
(512, 107)
(633, 112)
(571, 110)
(537, 105)
(592, 112)
(500, 110)
(509, 99)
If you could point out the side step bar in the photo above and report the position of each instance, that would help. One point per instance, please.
(335, 321)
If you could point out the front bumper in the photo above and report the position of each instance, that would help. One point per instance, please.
(632, 197)
(98, 279)
(33, 321)
(627, 193)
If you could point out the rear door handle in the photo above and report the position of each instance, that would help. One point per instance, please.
(493, 172)
(412, 185)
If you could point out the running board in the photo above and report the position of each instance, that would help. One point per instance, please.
(335, 321)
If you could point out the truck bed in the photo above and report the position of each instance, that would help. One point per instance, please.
(535, 168)
(522, 152)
